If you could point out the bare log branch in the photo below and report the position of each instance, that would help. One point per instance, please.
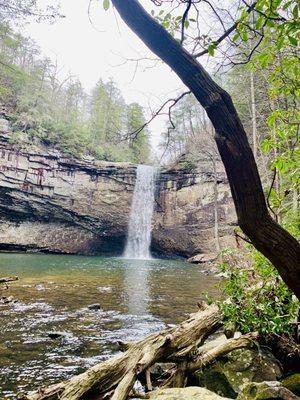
(119, 373)
(9, 279)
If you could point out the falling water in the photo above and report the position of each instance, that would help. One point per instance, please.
(139, 227)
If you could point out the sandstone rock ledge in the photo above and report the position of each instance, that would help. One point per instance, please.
(52, 203)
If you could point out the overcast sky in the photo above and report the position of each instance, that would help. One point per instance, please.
(100, 50)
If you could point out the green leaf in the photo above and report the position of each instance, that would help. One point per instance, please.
(211, 49)
(271, 120)
(280, 42)
(296, 12)
(260, 22)
(266, 146)
(236, 37)
(106, 4)
(293, 41)
(245, 36)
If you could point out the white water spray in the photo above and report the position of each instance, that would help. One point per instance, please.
(139, 227)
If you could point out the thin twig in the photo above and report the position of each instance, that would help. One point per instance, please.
(225, 34)
(269, 194)
(184, 18)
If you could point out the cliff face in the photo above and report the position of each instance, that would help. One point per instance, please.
(55, 204)
(192, 206)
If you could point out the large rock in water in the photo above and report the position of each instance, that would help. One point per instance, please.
(52, 203)
(189, 393)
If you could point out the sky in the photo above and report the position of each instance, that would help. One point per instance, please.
(99, 45)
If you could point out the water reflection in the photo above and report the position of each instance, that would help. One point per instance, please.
(136, 286)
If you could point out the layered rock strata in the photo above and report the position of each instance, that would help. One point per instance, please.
(52, 203)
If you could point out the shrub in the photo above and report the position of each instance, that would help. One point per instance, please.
(257, 297)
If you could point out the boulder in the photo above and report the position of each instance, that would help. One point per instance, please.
(203, 258)
(56, 335)
(292, 383)
(228, 375)
(188, 393)
(4, 125)
(94, 307)
(266, 391)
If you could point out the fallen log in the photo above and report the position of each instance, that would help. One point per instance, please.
(9, 279)
(115, 377)
(118, 374)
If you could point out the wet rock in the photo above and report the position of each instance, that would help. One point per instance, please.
(161, 371)
(104, 289)
(56, 335)
(266, 391)
(228, 375)
(4, 125)
(203, 258)
(292, 383)
(188, 393)
(94, 307)
(7, 300)
(216, 381)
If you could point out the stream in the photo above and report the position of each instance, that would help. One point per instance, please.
(92, 302)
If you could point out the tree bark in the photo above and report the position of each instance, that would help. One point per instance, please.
(253, 217)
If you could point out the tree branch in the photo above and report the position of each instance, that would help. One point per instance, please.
(225, 34)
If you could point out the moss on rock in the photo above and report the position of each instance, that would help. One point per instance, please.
(292, 383)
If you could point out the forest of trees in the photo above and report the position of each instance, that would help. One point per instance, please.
(46, 109)
(270, 117)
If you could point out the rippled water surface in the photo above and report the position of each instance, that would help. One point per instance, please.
(133, 298)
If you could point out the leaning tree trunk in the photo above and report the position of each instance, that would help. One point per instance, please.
(253, 217)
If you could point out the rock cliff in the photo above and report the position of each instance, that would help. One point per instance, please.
(194, 205)
(52, 203)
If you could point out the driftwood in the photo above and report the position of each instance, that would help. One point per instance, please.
(115, 377)
(9, 279)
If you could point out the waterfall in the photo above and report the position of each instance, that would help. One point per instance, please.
(139, 227)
